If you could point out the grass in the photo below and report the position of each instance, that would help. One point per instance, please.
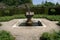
(4, 35)
(49, 17)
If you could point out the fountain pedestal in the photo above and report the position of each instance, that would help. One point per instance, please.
(29, 15)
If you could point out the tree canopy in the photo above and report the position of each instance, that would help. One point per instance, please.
(15, 2)
(49, 4)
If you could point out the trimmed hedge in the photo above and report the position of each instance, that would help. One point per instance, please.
(7, 18)
(11, 11)
(49, 17)
(36, 10)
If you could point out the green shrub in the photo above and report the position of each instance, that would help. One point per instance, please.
(4, 35)
(50, 36)
(38, 10)
(52, 10)
(6, 12)
(53, 17)
(1, 12)
(12, 11)
(8, 18)
(0, 24)
(49, 17)
(58, 23)
(45, 36)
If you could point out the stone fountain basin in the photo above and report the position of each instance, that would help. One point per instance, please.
(20, 21)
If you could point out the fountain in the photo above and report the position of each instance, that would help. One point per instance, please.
(29, 21)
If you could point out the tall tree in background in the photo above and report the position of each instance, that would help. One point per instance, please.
(0, 0)
(8, 2)
(26, 2)
(57, 4)
(49, 4)
(18, 2)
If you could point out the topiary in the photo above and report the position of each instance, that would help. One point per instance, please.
(58, 23)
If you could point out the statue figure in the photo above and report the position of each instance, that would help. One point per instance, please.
(29, 15)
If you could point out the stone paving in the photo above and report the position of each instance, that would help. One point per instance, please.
(29, 33)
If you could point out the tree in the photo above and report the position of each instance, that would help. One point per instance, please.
(8, 2)
(25, 2)
(57, 4)
(0, 0)
(18, 2)
(49, 4)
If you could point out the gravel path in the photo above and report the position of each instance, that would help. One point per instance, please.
(29, 33)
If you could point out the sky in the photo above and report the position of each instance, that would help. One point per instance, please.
(35, 2)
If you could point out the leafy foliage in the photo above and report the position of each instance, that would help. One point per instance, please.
(0, 24)
(4, 35)
(16, 2)
(49, 17)
(49, 4)
(58, 23)
(25, 1)
(7, 18)
(45, 36)
(52, 10)
(50, 36)
(11, 11)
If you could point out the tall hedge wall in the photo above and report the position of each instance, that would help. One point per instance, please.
(54, 11)
(10, 12)
(36, 10)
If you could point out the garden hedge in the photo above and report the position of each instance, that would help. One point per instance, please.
(36, 10)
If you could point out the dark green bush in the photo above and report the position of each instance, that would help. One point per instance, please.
(4, 12)
(4, 35)
(53, 17)
(38, 10)
(49, 17)
(58, 23)
(1, 12)
(8, 18)
(50, 36)
(7, 12)
(12, 11)
(0, 24)
(45, 36)
(52, 10)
